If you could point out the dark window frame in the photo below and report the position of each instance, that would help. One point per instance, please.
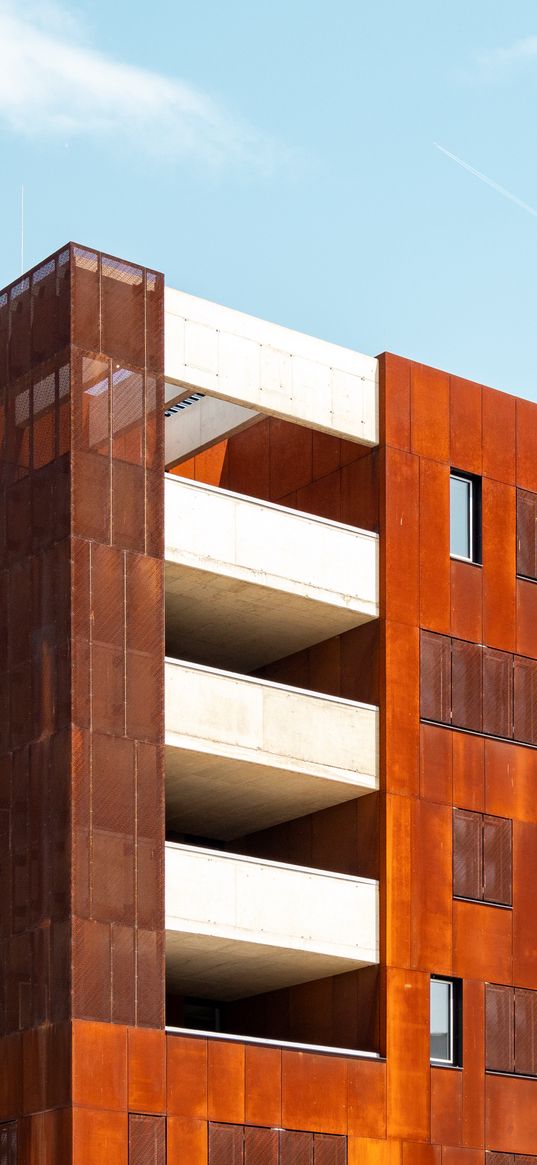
(455, 1060)
(474, 517)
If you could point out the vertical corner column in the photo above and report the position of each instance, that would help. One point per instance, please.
(35, 692)
(117, 526)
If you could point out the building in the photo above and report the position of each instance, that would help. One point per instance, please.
(268, 863)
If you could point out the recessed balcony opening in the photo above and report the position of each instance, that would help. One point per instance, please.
(343, 839)
(346, 665)
(275, 405)
(295, 466)
(340, 1011)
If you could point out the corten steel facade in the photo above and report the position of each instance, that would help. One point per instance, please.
(88, 1071)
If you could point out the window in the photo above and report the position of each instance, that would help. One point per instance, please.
(445, 1021)
(482, 857)
(465, 516)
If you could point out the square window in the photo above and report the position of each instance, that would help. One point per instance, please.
(445, 1021)
(465, 516)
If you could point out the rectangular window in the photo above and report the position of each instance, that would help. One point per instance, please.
(482, 857)
(445, 1021)
(465, 516)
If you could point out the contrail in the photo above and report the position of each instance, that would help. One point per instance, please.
(488, 181)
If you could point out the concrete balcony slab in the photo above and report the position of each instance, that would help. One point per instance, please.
(262, 366)
(243, 754)
(248, 582)
(238, 926)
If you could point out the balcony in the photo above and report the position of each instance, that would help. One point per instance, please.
(248, 582)
(238, 926)
(243, 754)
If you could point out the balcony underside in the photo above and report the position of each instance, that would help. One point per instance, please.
(225, 798)
(228, 622)
(213, 967)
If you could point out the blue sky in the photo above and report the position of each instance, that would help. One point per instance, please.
(279, 158)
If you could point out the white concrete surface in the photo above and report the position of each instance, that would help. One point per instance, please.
(237, 926)
(248, 581)
(243, 754)
(265, 367)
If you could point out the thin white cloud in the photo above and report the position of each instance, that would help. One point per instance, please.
(53, 84)
(496, 63)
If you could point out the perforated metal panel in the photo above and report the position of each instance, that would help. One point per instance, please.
(525, 1032)
(487, 690)
(35, 655)
(467, 854)
(497, 692)
(490, 691)
(147, 1140)
(118, 687)
(526, 533)
(296, 1148)
(226, 1144)
(497, 859)
(494, 1158)
(499, 1015)
(435, 677)
(467, 685)
(8, 1143)
(253, 1145)
(329, 1150)
(525, 699)
(260, 1146)
(81, 485)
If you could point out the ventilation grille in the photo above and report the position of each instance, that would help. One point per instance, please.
(184, 404)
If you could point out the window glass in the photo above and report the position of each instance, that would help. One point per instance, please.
(442, 1020)
(461, 517)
